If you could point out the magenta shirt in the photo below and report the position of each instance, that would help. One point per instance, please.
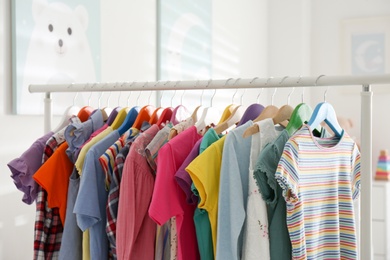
(168, 198)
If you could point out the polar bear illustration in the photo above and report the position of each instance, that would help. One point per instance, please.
(58, 52)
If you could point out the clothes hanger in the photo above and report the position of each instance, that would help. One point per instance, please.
(196, 114)
(145, 113)
(114, 112)
(284, 113)
(268, 112)
(166, 114)
(229, 109)
(68, 113)
(235, 116)
(324, 112)
(122, 114)
(86, 111)
(210, 114)
(253, 110)
(299, 116)
(104, 114)
(180, 112)
(157, 112)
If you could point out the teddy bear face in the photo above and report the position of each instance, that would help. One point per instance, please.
(59, 29)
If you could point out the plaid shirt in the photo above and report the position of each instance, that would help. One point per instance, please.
(48, 226)
(113, 195)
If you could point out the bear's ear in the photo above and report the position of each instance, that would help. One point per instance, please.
(82, 15)
(37, 8)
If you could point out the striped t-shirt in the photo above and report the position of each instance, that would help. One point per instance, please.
(320, 178)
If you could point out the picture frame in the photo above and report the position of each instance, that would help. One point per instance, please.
(366, 46)
(53, 42)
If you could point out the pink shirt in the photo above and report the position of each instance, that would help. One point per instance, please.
(136, 231)
(169, 200)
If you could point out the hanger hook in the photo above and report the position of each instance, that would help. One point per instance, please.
(174, 94)
(303, 88)
(215, 91)
(90, 96)
(128, 98)
(261, 91)
(99, 99)
(326, 91)
(253, 80)
(289, 95)
(283, 79)
(236, 90)
(268, 80)
(181, 99)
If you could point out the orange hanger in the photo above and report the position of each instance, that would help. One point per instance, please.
(84, 113)
(144, 114)
(156, 115)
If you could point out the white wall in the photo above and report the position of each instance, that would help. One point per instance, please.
(327, 58)
(250, 38)
(128, 53)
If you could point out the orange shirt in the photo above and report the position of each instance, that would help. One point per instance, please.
(53, 176)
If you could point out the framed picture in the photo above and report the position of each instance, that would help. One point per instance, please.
(366, 46)
(184, 40)
(53, 41)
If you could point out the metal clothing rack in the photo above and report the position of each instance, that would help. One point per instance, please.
(319, 81)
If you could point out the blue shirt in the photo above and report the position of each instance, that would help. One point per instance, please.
(90, 208)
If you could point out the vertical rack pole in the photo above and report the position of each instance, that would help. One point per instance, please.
(47, 113)
(366, 173)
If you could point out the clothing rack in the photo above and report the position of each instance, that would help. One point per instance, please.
(282, 82)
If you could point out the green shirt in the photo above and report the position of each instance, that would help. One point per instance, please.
(264, 173)
(201, 216)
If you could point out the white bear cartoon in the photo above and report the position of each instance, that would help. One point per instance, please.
(58, 52)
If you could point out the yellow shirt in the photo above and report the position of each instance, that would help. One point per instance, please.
(83, 152)
(205, 172)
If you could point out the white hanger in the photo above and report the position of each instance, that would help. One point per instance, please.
(68, 113)
(209, 114)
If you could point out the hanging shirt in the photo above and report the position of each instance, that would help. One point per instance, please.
(154, 146)
(205, 173)
(77, 133)
(24, 167)
(113, 194)
(264, 174)
(90, 207)
(256, 239)
(53, 176)
(71, 246)
(48, 227)
(136, 231)
(163, 237)
(320, 178)
(233, 193)
(170, 157)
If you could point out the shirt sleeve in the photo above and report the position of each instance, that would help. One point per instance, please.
(87, 207)
(287, 173)
(165, 188)
(355, 173)
(264, 173)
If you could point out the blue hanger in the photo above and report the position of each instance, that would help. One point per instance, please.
(129, 120)
(325, 112)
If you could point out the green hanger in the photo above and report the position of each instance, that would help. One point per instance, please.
(299, 116)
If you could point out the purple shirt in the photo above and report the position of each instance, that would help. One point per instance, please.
(183, 178)
(24, 167)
